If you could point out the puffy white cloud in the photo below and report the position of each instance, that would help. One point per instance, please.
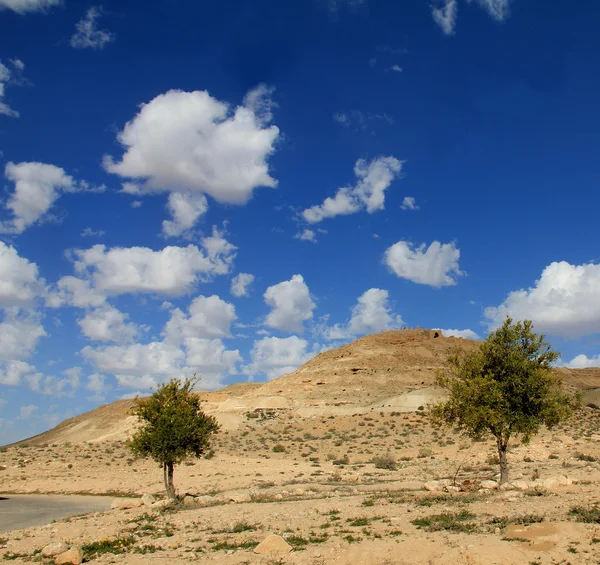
(96, 383)
(466, 334)
(409, 203)
(52, 386)
(108, 324)
(189, 141)
(24, 6)
(274, 356)
(564, 301)
(240, 284)
(9, 76)
(368, 193)
(290, 304)
(211, 360)
(11, 372)
(371, 314)
(20, 332)
(444, 14)
(185, 209)
(37, 187)
(74, 292)
(19, 281)
(435, 266)
(87, 34)
(26, 412)
(172, 270)
(209, 317)
(307, 235)
(583, 362)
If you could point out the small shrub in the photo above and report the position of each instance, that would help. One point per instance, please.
(385, 462)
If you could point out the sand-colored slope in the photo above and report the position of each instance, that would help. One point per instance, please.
(389, 371)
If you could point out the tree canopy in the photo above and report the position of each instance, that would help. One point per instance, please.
(505, 388)
(173, 428)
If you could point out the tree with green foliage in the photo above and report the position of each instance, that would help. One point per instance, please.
(173, 428)
(505, 388)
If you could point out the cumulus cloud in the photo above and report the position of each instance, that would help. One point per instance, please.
(583, 362)
(371, 314)
(87, 34)
(24, 6)
(37, 187)
(444, 14)
(373, 179)
(10, 75)
(565, 301)
(11, 372)
(274, 356)
(240, 284)
(108, 324)
(466, 334)
(26, 412)
(185, 209)
(211, 360)
(19, 279)
(172, 271)
(435, 266)
(74, 292)
(189, 142)
(307, 235)
(96, 383)
(290, 304)
(208, 317)
(409, 203)
(20, 332)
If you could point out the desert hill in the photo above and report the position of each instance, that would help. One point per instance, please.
(389, 371)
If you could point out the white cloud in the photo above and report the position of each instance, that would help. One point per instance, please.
(497, 9)
(307, 235)
(74, 292)
(211, 360)
(240, 284)
(409, 203)
(52, 386)
(20, 332)
(290, 304)
(171, 271)
(273, 356)
(209, 317)
(96, 383)
(89, 232)
(11, 372)
(565, 301)
(8, 76)
(396, 68)
(136, 204)
(27, 412)
(444, 15)
(185, 209)
(583, 362)
(466, 334)
(24, 6)
(189, 141)
(108, 324)
(87, 34)
(369, 192)
(37, 187)
(435, 266)
(19, 281)
(371, 314)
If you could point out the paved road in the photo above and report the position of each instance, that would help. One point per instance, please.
(24, 511)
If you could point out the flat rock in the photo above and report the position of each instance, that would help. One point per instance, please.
(73, 556)
(161, 504)
(125, 503)
(489, 485)
(273, 544)
(188, 500)
(54, 548)
(148, 499)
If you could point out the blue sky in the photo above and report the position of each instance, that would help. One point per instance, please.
(229, 188)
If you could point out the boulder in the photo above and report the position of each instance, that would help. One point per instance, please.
(162, 504)
(148, 499)
(489, 485)
(74, 556)
(433, 486)
(55, 548)
(273, 545)
(188, 500)
(552, 482)
(126, 503)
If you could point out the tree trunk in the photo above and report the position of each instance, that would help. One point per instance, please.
(502, 449)
(168, 476)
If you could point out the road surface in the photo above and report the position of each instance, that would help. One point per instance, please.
(23, 511)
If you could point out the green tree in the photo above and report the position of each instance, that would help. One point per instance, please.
(505, 388)
(173, 427)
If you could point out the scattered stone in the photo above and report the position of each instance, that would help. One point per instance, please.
(273, 544)
(452, 488)
(148, 499)
(126, 503)
(54, 548)
(489, 485)
(74, 556)
(188, 500)
(162, 504)
(433, 486)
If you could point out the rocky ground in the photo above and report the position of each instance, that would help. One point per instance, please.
(383, 488)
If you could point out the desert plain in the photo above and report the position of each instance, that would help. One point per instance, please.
(336, 462)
